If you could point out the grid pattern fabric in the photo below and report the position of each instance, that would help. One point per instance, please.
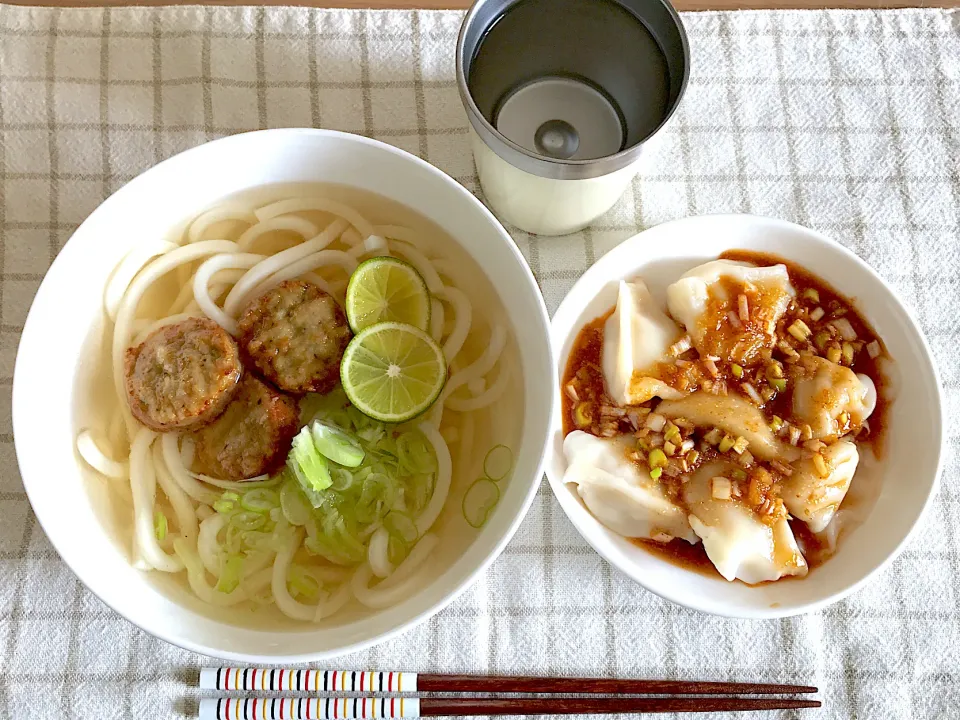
(844, 121)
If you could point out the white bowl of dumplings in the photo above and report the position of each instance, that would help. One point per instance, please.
(760, 571)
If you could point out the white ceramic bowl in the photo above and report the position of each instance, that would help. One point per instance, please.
(908, 473)
(70, 301)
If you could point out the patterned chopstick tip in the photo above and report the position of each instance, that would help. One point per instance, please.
(317, 681)
(330, 708)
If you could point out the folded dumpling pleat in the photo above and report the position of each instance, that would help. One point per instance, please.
(735, 416)
(827, 392)
(636, 338)
(618, 493)
(706, 302)
(740, 544)
(814, 499)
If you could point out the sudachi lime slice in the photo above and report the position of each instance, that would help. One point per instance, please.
(385, 289)
(392, 371)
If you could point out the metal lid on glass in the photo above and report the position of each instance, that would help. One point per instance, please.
(569, 89)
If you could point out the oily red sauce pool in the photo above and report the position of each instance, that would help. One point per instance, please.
(585, 362)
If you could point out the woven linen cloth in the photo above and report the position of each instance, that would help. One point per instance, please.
(847, 122)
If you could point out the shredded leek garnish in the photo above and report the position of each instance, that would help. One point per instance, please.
(380, 475)
(259, 500)
(498, 462)
(308, 465)
(336, 445)
(479, 501)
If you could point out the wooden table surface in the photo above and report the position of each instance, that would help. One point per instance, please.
(460, 4)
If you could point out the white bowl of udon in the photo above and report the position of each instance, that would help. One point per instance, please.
(199, 235)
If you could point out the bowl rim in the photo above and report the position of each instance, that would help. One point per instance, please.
(31, 328)
(597, 272)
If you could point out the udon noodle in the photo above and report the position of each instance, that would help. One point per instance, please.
(225, 258)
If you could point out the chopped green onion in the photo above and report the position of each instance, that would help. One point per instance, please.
(672, 433)
(479, 501)
(227, 503)
(396, 550)
(307, 464)
(737, 370)
(833, 354)
(714, 436)
(739, 474)
(799, 330)
(260, 500)
(401, 526)
(847, 352)
(812, 294)
(498, 462)
(378, 495)
(776, 423)
(257, 540)
(246, 520)
(414, 454)
(336, 445)
(342, 479)
(582, 415)
(656, 473)
(224, 507)
(294, 505)
(726, 443)
(230, 575)
(160, 525)
(302, 583)
(418, 492)
(778, 384)
(657, 458)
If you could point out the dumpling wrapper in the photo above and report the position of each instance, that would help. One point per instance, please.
(739, 544)
(828, 391)
(702, 300)
(635, 338)
(814, 499)
(735, 416)
(617, 493)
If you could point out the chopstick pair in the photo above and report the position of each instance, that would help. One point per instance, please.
(363, 708)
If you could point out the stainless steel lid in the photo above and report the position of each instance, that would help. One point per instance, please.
(569, 89)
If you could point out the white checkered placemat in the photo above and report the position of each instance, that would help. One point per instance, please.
(847, 122)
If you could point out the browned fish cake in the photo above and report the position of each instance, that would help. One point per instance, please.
(295, 335)
(251, 437)
(183, 375)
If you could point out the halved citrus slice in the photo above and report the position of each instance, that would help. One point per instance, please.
(385, 289)
(393, 371)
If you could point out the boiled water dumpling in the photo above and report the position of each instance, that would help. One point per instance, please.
(635, 338)
(617, 493)
(705, 302)
(735, 416)
(814, 499)
(737, 541)
(828, 391)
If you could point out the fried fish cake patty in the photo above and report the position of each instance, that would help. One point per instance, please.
(295, 335)
(183, 375)
(251, 437)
